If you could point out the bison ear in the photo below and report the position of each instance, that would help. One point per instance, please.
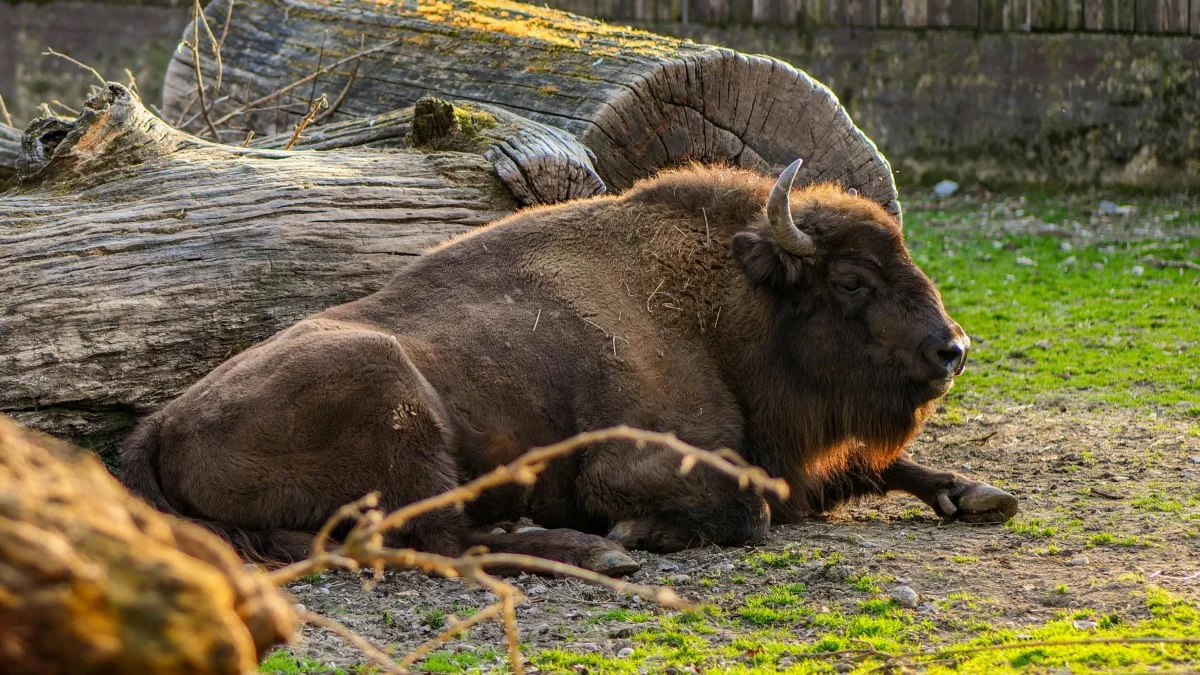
(765, 263)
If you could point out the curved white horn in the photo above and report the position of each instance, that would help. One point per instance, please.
(779, 215)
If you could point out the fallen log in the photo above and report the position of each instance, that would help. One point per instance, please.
(92, 580)
(637, 100)
(137, 257)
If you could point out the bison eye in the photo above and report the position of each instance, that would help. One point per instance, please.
(851, 285)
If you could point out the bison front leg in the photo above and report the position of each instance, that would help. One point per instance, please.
(648, 504)
(952, 496)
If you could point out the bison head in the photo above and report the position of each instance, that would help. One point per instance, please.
(855, 322)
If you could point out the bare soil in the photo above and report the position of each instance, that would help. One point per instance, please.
(1109, 504)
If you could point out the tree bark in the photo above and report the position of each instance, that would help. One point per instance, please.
(638, 101)
(137, 257)
(92, 580)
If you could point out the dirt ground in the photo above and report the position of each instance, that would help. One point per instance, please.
(1110, 503)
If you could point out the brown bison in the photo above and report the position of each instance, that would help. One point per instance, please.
(789, 325)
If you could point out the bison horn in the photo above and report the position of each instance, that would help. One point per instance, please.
(779, 214)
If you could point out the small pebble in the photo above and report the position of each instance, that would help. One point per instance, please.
(625, 653)
(680, 579)
(668, 566)
(945, 188)
(786, 662)
(1078, 561)
(1084, 624)
(843, 667)
(530, 528)
(299, 608)
(536, 590)
(1026, 262)
(905, 596)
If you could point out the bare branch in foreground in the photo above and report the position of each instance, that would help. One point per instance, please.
(363, 545)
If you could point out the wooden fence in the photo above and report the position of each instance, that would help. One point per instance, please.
(1179, 17)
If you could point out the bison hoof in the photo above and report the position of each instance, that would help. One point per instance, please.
(977, 503)
(612, 563)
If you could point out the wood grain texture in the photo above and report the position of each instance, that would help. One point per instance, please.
(638, 101)
(539, 164)
(136, 257)
(1194, 20)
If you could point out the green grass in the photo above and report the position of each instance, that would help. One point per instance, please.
(1080, 324)
(886, 627)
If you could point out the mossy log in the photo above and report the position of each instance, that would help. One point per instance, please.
(638, 101)
(137, 257)
(93, 580)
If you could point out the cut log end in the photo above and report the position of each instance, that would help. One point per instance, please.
(751, 111)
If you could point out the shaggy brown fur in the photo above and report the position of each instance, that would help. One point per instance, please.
(669, 308)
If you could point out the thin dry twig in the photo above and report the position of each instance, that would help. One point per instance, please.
(256, 103)
(322, 102)
(199, 19)
(4, 111)
(337, 103)
(133, 85)
(363, 546)
(50, 52)
(361, 643)
(445, 636)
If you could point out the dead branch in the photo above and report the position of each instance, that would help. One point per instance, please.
(302, 81)
(50, 52)
(4, 111)
(363, 545)
(374, 653)
(322, 102)
(197, 19)
(337, 103)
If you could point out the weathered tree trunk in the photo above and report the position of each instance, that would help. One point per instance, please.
(638, 101)
(92, 580)
(135, 257)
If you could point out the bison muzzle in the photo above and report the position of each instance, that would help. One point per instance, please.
(790, 325)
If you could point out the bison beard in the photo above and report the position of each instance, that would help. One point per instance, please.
(789, 325)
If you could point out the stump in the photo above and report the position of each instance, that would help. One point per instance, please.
(637, 100)
(138, 257)
(92, 580)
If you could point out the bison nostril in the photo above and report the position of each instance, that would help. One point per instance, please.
(951, 357)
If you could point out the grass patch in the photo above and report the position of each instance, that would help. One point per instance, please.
(1084, 318)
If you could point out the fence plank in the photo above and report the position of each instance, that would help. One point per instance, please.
(997, 15)
(862, 13)
(1109, 15)
(913, 13)
(1161, 16)
(953, 13)
(1194, 23)
(1075, 14)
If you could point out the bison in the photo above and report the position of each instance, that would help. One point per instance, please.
(789, 325)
